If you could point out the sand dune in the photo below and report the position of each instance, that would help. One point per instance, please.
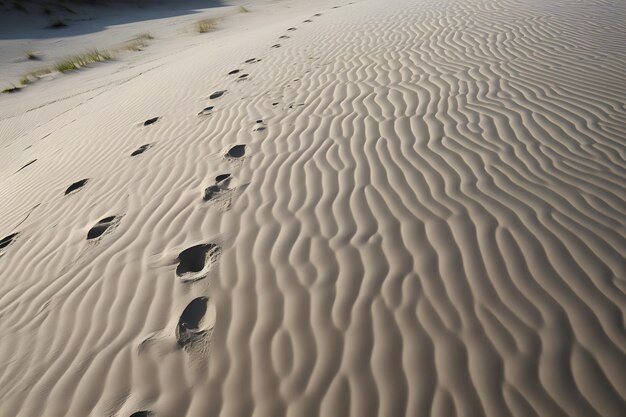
(385, 208)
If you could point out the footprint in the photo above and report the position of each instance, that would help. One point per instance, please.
(206, 111)
(235, 71)
(243, 76)
(196, 321)
(291, 29)
(307, 21)
(31, 162)
(150, 121)
(276, 46)
(222, 177)
(317, 14)
(217, 94)
(219, 188)
(236, 151)
(260, 126)
(194, 262)
(284, 37)
(76, 186)
(275, 104)
(252, 61)
(143, 413)
(141, 149)
(108, 223)
(7, 240)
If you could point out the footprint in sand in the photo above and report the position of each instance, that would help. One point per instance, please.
(106, 224)
(243, 77)
(317, 14)
(252, 61)
(236, 152)
(141, 149)
(218, 189)
(217, 94)
(206, 111)
(275, 46)
(259, 126)
(76, 186)
(233, 72)
(150, 121)
(307, 21)
(284, 37)
(143, 413)
(7, 240)
(194, 262)
(196, 321)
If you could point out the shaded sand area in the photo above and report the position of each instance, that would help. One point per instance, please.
(324, 208)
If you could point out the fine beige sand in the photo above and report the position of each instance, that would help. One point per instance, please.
(323, 208)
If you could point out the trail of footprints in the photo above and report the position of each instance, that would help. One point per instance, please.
(194, 263)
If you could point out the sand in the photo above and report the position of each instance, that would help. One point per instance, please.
(406, 208)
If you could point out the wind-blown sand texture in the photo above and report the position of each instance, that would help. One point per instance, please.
(408, 208)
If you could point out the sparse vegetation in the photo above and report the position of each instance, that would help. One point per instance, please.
(206, 25)
(78, 61)
(57, 24)
(24, 80)
(138, 42)
(11, 89)
(243, 9)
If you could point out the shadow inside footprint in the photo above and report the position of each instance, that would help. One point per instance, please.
(242, 76)
(307, 21)
(291, 29)
(206, 111)
(191, 324)
(150, 121)
(276, 46)
(217, 94)
(235, 71)
(236, 151)
(195, 259)
(101, 227)
(143, 413)
(221, 177)
(76, 186)
(284, 37)
(7, 240)
(140, 150)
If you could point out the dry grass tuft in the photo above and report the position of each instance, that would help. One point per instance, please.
(78, 61)
(206, 25)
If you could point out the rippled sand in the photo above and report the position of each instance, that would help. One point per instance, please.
(405, 208)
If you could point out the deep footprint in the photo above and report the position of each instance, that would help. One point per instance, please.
(234, 72)
(7, 240)
(150, 121)
(236, 151)
(76, 186)
(221, 177)
(219, 188)
(101, 227)
(190, 324)
(217, 94)
(194, 260)
(141, 149)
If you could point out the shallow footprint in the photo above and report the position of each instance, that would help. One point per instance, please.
(194, 262)
(276, 46)
(291, 29)
(217, 94)
(235, 71)
(150, 121)
(283, 37)
(307, 21)
(102, 226)
(141, 149)
(196, 321)
(206, 111)
(236, 151)
(76, 186)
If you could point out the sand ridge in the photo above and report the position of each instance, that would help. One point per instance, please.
(408, 208)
